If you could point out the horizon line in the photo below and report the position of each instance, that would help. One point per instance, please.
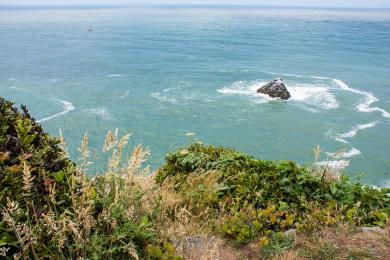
(192, 5)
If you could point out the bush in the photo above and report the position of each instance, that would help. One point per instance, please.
(31, 162)
(257, 196)
(51, 209)
(33, 173)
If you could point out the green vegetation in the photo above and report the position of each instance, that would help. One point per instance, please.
(255, 198)
(51, 209)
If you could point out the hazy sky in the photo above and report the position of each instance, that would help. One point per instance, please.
(325, 3)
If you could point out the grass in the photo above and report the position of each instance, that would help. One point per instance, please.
(251, 198)
(204, 202)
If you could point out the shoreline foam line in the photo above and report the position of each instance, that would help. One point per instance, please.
(67, 108)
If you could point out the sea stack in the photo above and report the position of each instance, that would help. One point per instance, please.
(275, 88)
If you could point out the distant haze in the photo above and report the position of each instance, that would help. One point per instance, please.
(318, 3)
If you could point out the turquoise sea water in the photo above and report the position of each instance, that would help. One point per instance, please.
(160, 73)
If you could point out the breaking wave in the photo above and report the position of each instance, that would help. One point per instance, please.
(67, 108)
(115, 76)
(126, 94)
(351, 133)
(365, 106)
(162, 98)
(345, 154)
(316, 96)
(102, 112)
(369, 99)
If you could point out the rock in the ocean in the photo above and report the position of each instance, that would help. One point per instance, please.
(275, 88)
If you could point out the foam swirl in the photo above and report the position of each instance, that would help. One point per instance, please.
(67, 108)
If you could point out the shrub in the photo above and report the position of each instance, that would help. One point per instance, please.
(51, 209)
(257, 196)
(33, 174)
(31, 162)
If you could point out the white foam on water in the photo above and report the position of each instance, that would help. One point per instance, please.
(243, 88)
(99, 111)
(67, 108)
(362, 107)
(12, 79)
(351, 153)
(126, 94)
(336, 164)
(284, 74)
(345, 154)
(316, 95)
(369, 99)
(115, 76)
(55, 80)
(303, 94)
(317, 77)
(351, 133)
(294, 75)
(170, 89)
(162, 98)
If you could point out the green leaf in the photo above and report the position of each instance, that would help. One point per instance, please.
(333, 188)
(59, 177)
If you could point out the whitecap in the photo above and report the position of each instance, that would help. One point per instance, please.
(102, 112)
(315, 95)
(170, 89)
(283, 74)
(54, 80)
(294, 75)
(115, 76)
(351, 153)
(12, 79)
(162, 98)
(345, 154)
(351, 133)
(67, 108)
(369, 99)
(245, 89)
(318, 77)
(362, 107)
(126, 94)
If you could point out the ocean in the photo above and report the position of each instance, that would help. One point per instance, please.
(163, 72)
